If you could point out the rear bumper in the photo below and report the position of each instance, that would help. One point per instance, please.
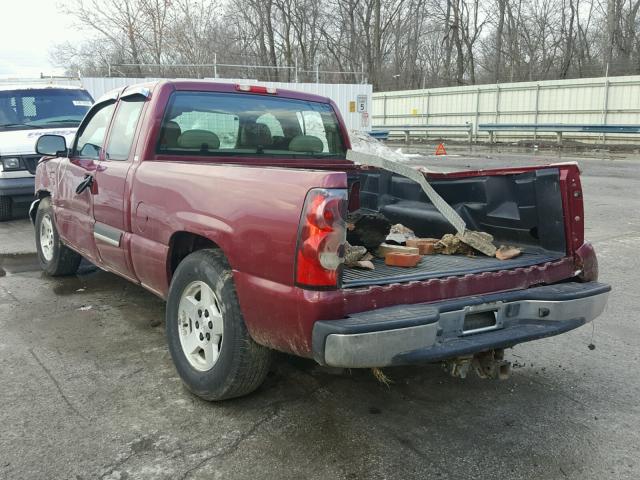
(17, 187)
(423, 333)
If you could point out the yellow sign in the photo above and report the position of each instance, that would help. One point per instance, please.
(414, 111)
(352, 107)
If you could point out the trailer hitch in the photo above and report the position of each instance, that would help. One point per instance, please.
(490, 364)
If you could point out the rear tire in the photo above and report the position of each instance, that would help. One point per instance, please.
(6, 209)
(211, 348)
(55, 258)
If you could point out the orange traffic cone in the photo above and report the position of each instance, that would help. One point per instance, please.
(440, 150)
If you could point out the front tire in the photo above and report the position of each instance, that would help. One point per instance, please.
(209, 343)
(55, 258)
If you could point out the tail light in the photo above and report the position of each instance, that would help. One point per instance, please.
(321, 238)
(255, 88)
(586, 263)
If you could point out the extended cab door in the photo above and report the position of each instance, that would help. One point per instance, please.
(111, 197)
(73, 202)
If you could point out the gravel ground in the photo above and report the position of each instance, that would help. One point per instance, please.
(88, 389)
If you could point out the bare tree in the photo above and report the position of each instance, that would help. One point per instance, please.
(397, 43)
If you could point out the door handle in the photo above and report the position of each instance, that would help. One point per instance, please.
(86, 183)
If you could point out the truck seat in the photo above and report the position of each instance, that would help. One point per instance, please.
(199, 139)
(306, 143)
(256, 135)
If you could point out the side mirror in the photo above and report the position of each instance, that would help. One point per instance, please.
(52, 145)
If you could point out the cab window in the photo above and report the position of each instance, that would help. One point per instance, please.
(91, 138)
(124, 128)
(226, 124)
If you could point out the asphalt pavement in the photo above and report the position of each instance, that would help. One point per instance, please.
(88, 390)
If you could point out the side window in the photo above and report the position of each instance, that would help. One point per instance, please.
(91, 138)
(29, 107)
(124, 128)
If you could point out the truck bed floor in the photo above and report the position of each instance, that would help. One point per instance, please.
(437, 266)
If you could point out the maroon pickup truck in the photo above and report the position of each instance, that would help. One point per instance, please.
(229, 201)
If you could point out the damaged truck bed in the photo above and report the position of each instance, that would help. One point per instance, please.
(518, 208)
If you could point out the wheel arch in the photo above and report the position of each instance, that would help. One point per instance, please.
(183, 243)
(33, 209)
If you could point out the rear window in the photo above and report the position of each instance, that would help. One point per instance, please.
(211, 124)
(43, 108)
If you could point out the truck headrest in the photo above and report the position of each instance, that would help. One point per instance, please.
(257, 134)
(170, 134)
(199, 139)
(306, 143)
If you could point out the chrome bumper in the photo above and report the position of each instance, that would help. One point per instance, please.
(422, 333)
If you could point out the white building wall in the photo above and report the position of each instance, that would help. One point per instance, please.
(614, 100)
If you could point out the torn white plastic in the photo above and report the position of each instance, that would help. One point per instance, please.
(364, 143)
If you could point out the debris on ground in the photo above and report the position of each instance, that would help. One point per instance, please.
(402, 259)
(85, 308)
(388, 248)
(399, 234)
(380, 376)
(358, 257)
(507, 252)
(489, 364)
(425, 246)
(368, 229)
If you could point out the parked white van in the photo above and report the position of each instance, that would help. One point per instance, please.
(26, 112)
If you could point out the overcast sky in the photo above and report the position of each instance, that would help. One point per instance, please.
(29, 29)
